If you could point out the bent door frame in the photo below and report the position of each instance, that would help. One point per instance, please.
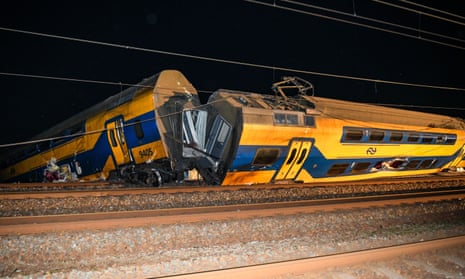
(117, 141)
(299, 149)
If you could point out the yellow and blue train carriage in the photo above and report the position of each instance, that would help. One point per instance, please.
(157, 132)
(280, 139)
(120, 135)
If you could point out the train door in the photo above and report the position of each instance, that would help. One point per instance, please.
(117, 140)
(298, 153)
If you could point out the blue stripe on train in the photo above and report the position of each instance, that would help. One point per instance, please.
(93, 161)
(316, 163)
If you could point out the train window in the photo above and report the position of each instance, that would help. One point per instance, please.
(279, 118)
(413, 137)
(360, 167)
(266, 156)
(286, 118)
(353, 135)
(450, 139)
(396, 136)
(292, 156)
(292, 119)
(113, 138)
(426, 164)
(446, 139)
(309, 121)
(302, 156)
(138, 129)
(337, 169)
(376, 135)
(427, 139)
(413, 164)
(441, 139)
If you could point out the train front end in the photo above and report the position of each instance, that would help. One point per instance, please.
(195, 136)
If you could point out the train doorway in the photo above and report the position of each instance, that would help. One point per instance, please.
(117, 141)
(298, 153)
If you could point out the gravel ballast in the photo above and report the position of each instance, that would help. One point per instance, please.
(182, 248)
(215, 197)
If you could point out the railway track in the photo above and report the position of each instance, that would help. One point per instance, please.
(35, 188)
(169, 241)
(131, 199)
(108, 220)
(376, 262)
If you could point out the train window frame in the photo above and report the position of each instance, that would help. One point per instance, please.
(376, 135)
(353, 135)
(337, 169)
(266, 156)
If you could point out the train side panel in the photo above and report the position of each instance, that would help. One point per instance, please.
(118, 133)
(279, 146)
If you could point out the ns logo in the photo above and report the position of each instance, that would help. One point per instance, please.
(371, 151)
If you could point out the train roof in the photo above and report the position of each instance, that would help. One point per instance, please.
(341, 109)
(376, 113)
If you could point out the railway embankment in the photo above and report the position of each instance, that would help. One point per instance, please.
(237, 238)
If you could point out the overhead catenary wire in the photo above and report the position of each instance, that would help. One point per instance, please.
(220, 61)
(73, 79)
(226, 61)
(432, 9)
(358, 16)
(419, 12)
(198, 90)
(98, 131)
(274, 5)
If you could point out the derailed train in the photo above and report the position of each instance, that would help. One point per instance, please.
(158, 132)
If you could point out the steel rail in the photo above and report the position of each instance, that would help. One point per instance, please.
(79, 190)
(123, 219)
(314, 264)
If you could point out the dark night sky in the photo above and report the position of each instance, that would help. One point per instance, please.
(232, 30)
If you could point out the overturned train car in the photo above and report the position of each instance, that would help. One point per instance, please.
(302, 138)
(158, 132)
(135, 135)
